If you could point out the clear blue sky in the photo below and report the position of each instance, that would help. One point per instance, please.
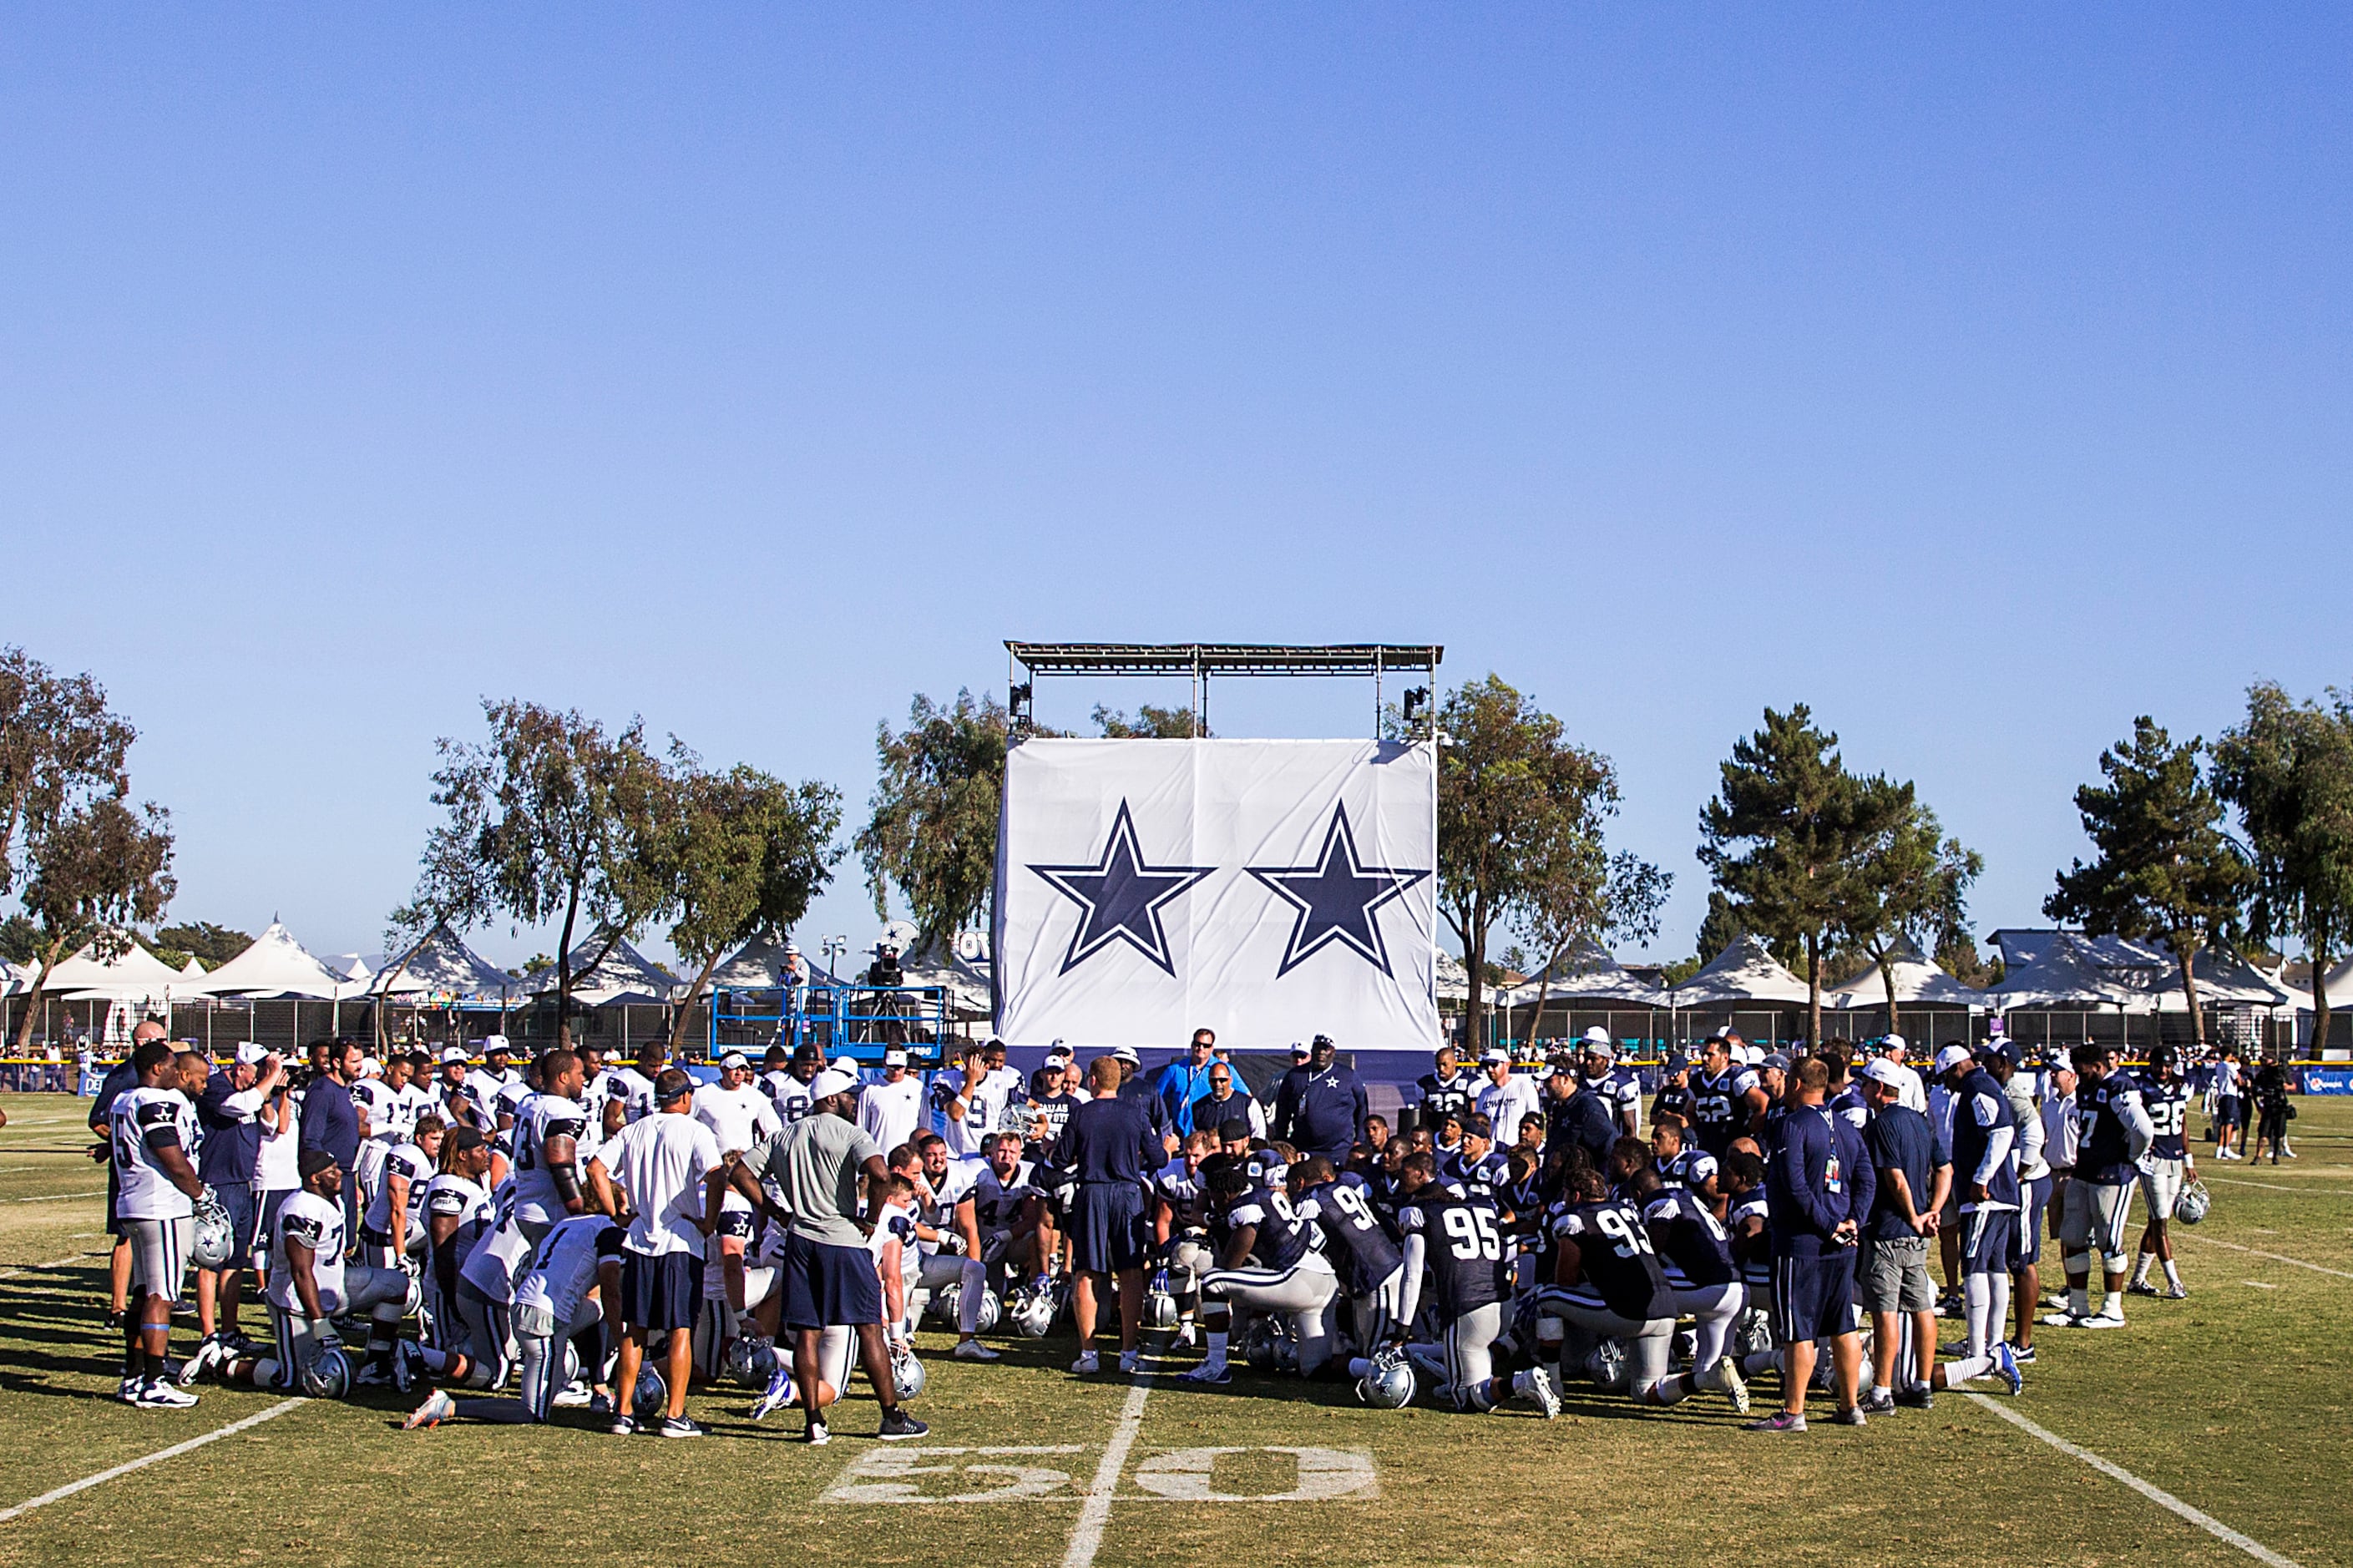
(1980, 378)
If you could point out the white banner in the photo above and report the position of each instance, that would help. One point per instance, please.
(1272, 890)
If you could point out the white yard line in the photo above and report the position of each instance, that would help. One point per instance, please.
(2275, 1187)
(2163, 1498)
(157, 1458)
(2184, 1234)
(1086, 1535)
(57, 1197)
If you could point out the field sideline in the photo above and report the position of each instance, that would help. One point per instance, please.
(2233, 1403)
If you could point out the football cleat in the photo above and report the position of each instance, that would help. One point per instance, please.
(161, 1394)
(1188, 1334)
(778, 1395)
(1735, 1386)
(576, 1397)
(815, 1435)
(1212, 1372)
(2101, 1321)
(127, 1390)
(2140, 1288)
(437, 1407)
(1541, 1390)
(2005, 1366)
(2178, 1293)
(213, 1352)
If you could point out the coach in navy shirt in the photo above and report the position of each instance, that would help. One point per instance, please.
(332, 1122)
(1319, 1108)
(1819, 1189)
(1913, 1172)
(1112, 1148)
(230, 1112)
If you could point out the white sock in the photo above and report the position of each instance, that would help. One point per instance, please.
(1963, 1368)
(2112, 1305)
(1997, 1308)
(1976, 1299)
(2172, 1273)
(2140, 1268)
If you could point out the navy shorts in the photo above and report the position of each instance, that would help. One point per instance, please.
(661, 1291)
(237, 1197)
(1108, 1232)
(2228, 1111)
(264, 1222)
(828, 1285)
(2028, 1247)
(1990, 1241)
(1813, 1298)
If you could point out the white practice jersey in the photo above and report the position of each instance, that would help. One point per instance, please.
(738, 1118)
(317, 1224)
(789, 1094)
(452, 1197)
(542, 1116)
(499, 1256)
(563, 1268)
(142, 1120)
(412, 1165)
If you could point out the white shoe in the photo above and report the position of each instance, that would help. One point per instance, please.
(973, 1349)
(2061, 1319)
(2100, 1321)
(575, 1397)
(1087, 1364)
(1207, 1372)
(1540, 1389)
(1735, 1386)
(161, 1394)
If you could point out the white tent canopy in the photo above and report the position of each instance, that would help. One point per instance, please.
(966, 983)
(1588, 972)
(1920, 982)
(136, 974)
(2062, 973)
(757, 965)
(194, 969)
(624, 975)
(442, 965)
(275, 965)
(1746, 970)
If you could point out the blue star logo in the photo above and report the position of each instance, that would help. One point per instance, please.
(1122, 897)
(1335, 899)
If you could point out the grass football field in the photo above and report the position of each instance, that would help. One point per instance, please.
(2231, 1405)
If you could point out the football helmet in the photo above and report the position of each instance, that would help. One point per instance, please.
(329, 1376)
(944, 1302)
(1389, 1384)
(216, 1237)
(2191, 1204)
(1159, 1306)
(1033, 1313)
(1606, 1365)
(651, 1393)
(907, 1373)
(991, 1313)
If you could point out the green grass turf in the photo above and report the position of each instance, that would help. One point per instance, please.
(2232, 1401)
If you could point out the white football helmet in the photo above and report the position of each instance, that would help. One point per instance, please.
(907, 1373)
(1389, 1386)
(1033, 1313)
(329, 1376)
(216, 1238)
(992, 1312)
(2191, 1204)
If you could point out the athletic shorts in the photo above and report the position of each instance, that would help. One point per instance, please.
(238, 1201)
(159, 1255)
(828, 1285)
(1108, 1232)
(1891, 1275)
(2160, 1183)
(660, 1292)
(1989, 1241)
(265, 1221)
(2036, 1196)
(2095, 1216)
(2229, 1110)
(1813, 1298)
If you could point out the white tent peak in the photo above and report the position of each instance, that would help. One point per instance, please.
(1746, 970)
(132, 975)
(1588, 970)
(275, 965)
(624, 975)
(1920, 981)
(440, 963)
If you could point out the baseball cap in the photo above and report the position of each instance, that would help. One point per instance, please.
(249, 1054)
(1775, 1061)
(453, 1054)
(495, 1043)
(2001, 1049)
(1891, 1043)
(894, 1058)
(736, 1059)
(1878, 1069)
(1673, 1063)
(1125, 1054)
(1951, 1057)
(1493, 1054)
(833, 1081)
(1597, 1036)
(313, 1161)
(1298, 1048)
(464, 1137)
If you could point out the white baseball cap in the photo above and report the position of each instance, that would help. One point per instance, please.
(893, 1057)
(736, 1059)
(1891, 1043)
(1952, 1056)
(453, 1054)
(249, 1054)
(1597, 1036)
(832, 1081)
(1493, 1055)
(1125, 1054)
(496, 1042)
(1881, 1070)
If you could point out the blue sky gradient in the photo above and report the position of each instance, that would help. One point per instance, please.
(1977, 376)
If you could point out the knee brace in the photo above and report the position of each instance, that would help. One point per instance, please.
(2115, 1262)
(2077, 1264)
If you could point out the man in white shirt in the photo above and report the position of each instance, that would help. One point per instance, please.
(152, 1135)
(674, 1174)
(1507, 1096)
(785, 1078)
(637, 1083)
(972, 1099)
(1910, 1092)
(739, 1115)
(483, 1084)
(890, 1110)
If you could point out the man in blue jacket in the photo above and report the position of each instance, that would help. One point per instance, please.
(1818, 1189)
(1319, 1108)
(1187, 1080)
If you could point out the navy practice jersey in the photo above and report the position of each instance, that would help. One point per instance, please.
(1674, 1100)
(1694, 1250)
(1983, 1126)
(1754, 1255)
(1284, 1235)
(1463, 1245)
(1353, 1237)
(1615, 1259)
(1717, 1115)
(1445, 1097)
(1486, 1175)
(2103, 1109)
(2168, 1105)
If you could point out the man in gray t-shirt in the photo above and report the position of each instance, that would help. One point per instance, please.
(828, 1275)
